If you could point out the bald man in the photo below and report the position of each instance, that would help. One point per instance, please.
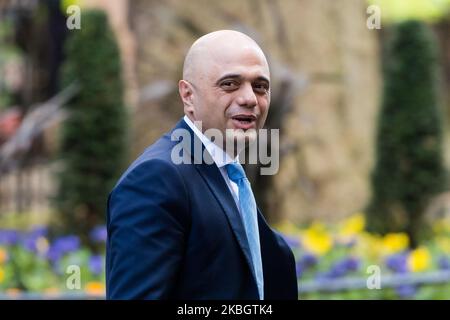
(191, 229)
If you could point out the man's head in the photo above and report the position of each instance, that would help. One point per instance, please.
(226, 82)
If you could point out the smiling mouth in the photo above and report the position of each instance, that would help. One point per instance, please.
(243, 121)
(244, 118)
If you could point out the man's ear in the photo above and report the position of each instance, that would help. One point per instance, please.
(186, 93)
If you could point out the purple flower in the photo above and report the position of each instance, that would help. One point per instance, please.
(68, 243)
(96, 264)
(9, 237)
(444, 263)
(339, 269)
(62, 246)
(397, 263)
(352, 263)
(98, 234)
(308, 260)
(346, 265)
(29, 241)
(406, 291)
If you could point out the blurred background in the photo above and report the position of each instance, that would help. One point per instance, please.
(360, 93)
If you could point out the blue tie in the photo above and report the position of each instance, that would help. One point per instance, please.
(249, 216)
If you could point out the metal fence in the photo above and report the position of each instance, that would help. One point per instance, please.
(27, 189)
(386, 281)
(332, 285)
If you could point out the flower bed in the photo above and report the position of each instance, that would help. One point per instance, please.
(32, 262)
(325, 253)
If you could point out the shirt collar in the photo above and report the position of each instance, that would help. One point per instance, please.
(220, 157)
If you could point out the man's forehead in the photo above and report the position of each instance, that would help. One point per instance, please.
(240, 61)
(243, 53)
(225, 50)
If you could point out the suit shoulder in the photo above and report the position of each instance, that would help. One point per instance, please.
(150, 180)
(154, 158)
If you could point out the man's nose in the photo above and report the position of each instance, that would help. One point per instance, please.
(247, 97)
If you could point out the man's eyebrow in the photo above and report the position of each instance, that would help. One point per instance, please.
(238, 76)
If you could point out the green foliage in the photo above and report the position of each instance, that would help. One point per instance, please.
(408, 169)
(94, 137)
(401, 10)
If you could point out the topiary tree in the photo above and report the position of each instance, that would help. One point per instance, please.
(408, 169)
(93, 139)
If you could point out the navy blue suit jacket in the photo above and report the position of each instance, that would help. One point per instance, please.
(175, 232)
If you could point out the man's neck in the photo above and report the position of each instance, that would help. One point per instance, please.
(232, 156)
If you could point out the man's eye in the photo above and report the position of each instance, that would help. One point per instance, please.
(229, 85)
(261, 87)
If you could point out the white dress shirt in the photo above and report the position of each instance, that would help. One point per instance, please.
(220, 157)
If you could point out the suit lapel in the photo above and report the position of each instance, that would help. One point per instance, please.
(217, 185)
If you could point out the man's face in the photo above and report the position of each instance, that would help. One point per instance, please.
(232, 90)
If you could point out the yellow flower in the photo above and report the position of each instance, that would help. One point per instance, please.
(353, 225)
(3, 255)
(317, 240)
(369, 245)
(419, 259)
(395, 242)
(444, 244)
(95, 288)
(2, 274)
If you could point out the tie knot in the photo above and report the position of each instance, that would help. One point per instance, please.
(235, 171)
